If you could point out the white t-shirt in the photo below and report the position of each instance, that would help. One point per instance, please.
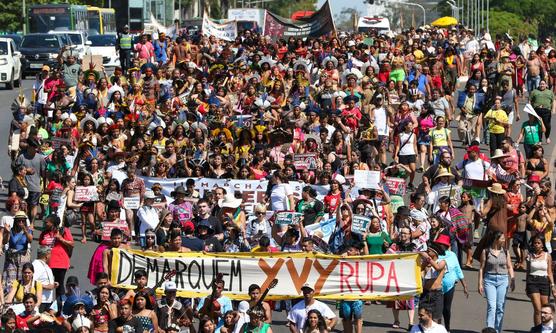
(148, 217)
(474, 169)
(44, 275)
(381, 121)
(435, 328)
(298, 313)
(279, 197)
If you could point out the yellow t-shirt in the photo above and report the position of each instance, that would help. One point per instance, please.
(493, 126)
(20, 290)
(543, 227)
(439, 137)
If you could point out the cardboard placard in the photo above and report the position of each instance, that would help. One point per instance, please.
(396, 201)
(287, 217)
(360, 224)
(108, 226)
(96, 60)
(367, 179)
(305, 161)
(132, 202)
(395, 185)
(15, 142)
(451, 191)
(58, 142)
(86, 193)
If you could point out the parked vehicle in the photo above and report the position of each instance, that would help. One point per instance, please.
(38, 50)
(76, 40)
(10, 63)
(105, 45)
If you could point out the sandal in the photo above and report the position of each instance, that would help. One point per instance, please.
(396, 324)
(468, 266)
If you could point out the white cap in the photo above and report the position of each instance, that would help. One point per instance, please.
(351, 43)
(149, 194)
(243, 307)
(170, 286)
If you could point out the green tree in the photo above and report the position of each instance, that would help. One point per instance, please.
(505, 22)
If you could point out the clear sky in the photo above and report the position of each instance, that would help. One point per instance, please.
(338, 5)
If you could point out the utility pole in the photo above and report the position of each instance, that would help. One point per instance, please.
(24, 16)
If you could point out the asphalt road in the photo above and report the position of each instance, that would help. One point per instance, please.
(468, 314)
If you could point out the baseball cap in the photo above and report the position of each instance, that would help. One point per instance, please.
(46, 68)
(307, 286)
(170, 286)
(72, 280)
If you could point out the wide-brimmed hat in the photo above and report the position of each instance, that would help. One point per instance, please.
(497, 188)
(444, 173)
(499, 153)
(20, 215)
(229, 201)
(437, 249)
(149, 194)
(179, 190)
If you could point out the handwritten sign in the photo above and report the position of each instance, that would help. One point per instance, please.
(305, 161)
(86, 193)
(395, 185)
(108, 226)
(284, 218)
(58, 142)
(395, 276)
(360, 224)
(451, 191)
(367, 179)
(132, 202)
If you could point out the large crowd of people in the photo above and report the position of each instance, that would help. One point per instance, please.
(438, 108)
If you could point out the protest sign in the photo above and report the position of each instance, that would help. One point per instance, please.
(92, 60)
(14, 144)
(395, 185)
(384, 277)
(225, 31)
(322, 230)
(108, 226)
(58, 142)
(367, 179)
(360, 224)
(396, 201)
(319, 24)
(305, 161)
(286, 217)
(252, 191)
(86, 193)
(132, 202)
(451, 191)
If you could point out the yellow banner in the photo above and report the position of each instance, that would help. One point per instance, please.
(377, 277)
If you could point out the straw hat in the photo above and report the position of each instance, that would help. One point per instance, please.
(497, 188)
(444, 173)
(229, 201)
(499, 153)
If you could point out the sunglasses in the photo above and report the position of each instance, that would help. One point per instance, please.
(260, 213)
(149, 237)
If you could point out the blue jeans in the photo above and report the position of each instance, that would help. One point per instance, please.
(532, 83)
(496, 287)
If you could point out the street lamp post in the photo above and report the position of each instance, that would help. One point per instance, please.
(417, 5)
(23, 15)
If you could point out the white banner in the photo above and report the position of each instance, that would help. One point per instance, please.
(225, 31)
(396, 276)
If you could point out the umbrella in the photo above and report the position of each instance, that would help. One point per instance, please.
(445, 21)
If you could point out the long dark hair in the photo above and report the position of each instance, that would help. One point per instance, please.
(493, 237)
(321, 325)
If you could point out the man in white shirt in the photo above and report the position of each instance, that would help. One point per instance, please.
(298, 314)
(426, 324)
(44, 275)
(147, 215)
(473, 171)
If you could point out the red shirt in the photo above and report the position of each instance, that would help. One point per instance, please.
(21, 320)
(60, 257)
(332, 201)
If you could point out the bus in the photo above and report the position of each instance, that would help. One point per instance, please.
(44, 18)
(101, 20)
